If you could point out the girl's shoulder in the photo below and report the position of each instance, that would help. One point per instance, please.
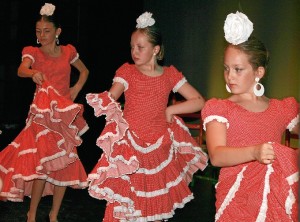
(217, 102)
(215, 106)
(69, 52)
(68, 47)
(30, 50)
(287, 106)
(125, 68)
(171, 70)
(288, 101)
(172, 73)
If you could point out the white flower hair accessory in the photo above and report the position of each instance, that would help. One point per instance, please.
(47, 9)
(237, 28)
(145, 20)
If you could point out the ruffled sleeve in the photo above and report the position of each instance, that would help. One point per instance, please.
(177, 78)
(121, 75)
(29, 52)
(214, 109)
(73, 53)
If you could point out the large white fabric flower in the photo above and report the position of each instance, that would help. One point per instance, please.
(237, 28)
(145, 20)
(47, 9)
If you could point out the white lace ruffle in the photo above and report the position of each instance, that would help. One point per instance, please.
(262, 215)
(235, 187)
(179, 84)
(122, 81)
(147, 149)
(291, 199)
(293, 123)
(220, 119)
(293, 178)
(29, 56)
(76, 57)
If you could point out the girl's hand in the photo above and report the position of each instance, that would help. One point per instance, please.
(38, 78)
(264, 153)
(169, 115)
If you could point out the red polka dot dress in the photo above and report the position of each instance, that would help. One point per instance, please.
(146, 164)
(254, 191)
(47, 146)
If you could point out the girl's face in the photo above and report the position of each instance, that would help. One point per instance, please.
(45, 32)
(142, 51)
(238, 72)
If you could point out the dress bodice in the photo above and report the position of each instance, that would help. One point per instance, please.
(247, 128)
(56, 69)
(146, 98)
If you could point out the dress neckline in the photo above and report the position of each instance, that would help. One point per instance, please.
(243, 108)
(163, 72)
(53, 57)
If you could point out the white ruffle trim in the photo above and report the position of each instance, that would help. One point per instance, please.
(291, 199)
(122, 81)
(76, 57)
(147, 149)
(231, 193)
(293, 178)
(130, 211)
(220, 119)
(29, 56)
(179, 84)
(264, 206)
(293, 123)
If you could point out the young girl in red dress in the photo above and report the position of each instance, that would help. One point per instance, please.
(43, 160)
(149, 156)
(259, 177)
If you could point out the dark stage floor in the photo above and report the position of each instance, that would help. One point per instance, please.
(78, 206)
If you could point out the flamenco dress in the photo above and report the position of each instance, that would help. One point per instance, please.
(46, 148)
(146, 164)
(253, 191)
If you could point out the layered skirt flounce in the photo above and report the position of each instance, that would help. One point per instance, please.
(142, 181)
(45, 148)
(259, 192)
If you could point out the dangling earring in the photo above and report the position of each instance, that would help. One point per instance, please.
(228, 89)
(258, 88)
(37, 41)
(57, 40)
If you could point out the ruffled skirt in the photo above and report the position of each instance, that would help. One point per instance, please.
(45, 148)
(259, 192)
(142, 181)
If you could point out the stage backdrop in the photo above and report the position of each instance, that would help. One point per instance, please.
(194, 40)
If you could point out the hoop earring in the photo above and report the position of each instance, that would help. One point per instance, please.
(227, 88)
(57, 40)
(258, 88)
(37, 41)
